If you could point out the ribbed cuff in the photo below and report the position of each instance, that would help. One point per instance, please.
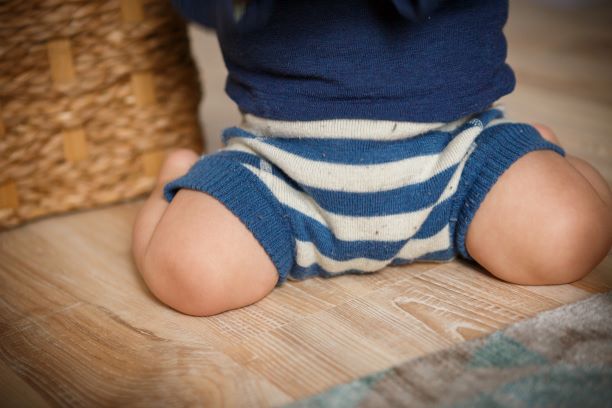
(497, 148)
(247, 198)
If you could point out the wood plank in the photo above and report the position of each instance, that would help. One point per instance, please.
(600, 279)
(61, 64)
(132, 11)
(309, 355)
(87, 355)
(413, 316)
(16, 392)
(9, 196)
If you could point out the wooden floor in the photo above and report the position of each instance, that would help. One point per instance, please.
(78, 327)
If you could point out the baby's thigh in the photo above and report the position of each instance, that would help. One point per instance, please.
(202, 260)
(541, 223)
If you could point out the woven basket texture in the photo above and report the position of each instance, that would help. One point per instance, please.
(93, 94)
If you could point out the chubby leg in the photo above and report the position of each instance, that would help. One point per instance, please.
(545, 221)
(195, 255)
(588, 171)
(177, 164)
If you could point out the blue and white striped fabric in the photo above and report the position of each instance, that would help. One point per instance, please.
(352, 196)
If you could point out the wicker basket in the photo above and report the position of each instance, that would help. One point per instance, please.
(93, 93)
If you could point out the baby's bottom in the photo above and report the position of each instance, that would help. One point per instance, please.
(547, 220)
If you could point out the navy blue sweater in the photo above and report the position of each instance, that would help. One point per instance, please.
(404, 60)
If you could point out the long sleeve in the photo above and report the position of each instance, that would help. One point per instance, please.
(241, 15)
(402, 60)
(247, 15)
(200, 12)
(416, 10)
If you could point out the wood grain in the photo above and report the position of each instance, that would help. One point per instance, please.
(61, 62)
(132, 11)
(75, 144)
(9, 197)
(143, 86)
(78, 326)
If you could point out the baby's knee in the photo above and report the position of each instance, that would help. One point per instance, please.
(576, 243)
(178, 274)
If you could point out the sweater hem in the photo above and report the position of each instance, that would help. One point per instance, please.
(299, 107)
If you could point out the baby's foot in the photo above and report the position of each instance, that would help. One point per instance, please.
(547, 133)
(176, 164)
(587, 170)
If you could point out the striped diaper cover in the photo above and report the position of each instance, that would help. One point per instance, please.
(330, 197)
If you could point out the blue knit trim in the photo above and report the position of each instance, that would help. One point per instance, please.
(497, 148)
(247, 198)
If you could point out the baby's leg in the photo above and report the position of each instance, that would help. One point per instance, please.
(545, 221)
(177, 164)
(194, 254)
(588, 171)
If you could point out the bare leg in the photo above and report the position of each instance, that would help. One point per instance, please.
(589, 172)
(194, 254)
(543, 222)
(177, 164)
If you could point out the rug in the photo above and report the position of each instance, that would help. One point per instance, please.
(560, 358)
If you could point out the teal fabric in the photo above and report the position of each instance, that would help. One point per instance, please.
(347, 395)
(561, 358)
(503, 352)
(558, 385)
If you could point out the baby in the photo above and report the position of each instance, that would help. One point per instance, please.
(369, 138)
